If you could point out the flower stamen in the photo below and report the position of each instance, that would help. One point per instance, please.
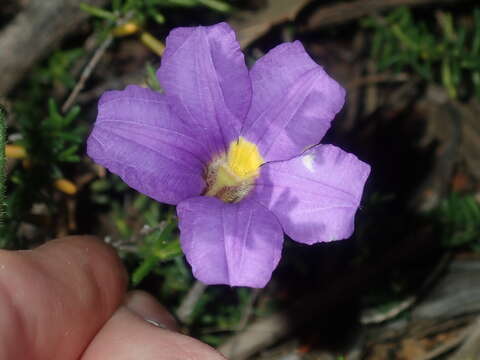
(231, 176)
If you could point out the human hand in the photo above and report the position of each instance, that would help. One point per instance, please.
(66, 300)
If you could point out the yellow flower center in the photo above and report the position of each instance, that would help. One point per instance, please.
(231, 176)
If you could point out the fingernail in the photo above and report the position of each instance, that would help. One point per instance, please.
(147, 307)
(156, 323)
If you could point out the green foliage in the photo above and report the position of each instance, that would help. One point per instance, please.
(142, 10)
(215, 321)
(51, 139)
(152, 79)
(49, 142)
(58, 68)
(146, 224)
(448, 53)
(98, 12)
(459, 218)
(102, 190)
(160, 245)
(177, 280)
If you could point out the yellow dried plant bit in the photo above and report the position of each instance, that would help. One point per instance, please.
(27, 163)
(126, 29)
(152, 43)
(65, 186)
(15, 152)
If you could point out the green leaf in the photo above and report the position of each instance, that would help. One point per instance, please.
(72, 115)
(152, 79)
(144, 269)
(460, 220)
(476, 32)
(169, 250)
(447, 79)
(476, 83)
(445, 21)
(216, 5)
(71, 137)
(140, 202)
(55, 119)
(117, 5)
(68, 155)
(98, 12)
(100, 185)
(163, 249)
(157, 16)
(3, 128)
(179, 3)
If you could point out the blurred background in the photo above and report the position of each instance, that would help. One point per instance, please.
(405, 286)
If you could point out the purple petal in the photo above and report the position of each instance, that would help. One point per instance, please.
(236, 244)
(315, 196)
(138, 138)
(206, 82)
(293, 102)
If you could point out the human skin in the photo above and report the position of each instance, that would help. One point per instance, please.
(67, 300)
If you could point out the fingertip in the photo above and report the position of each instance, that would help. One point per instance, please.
(146, 306)
(129, 336)
(77, 283)
(92, 250)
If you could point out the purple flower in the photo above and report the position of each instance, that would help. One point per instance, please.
(227, 145)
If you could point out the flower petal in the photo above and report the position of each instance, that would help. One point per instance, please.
(236, 244)
(293, 102)
(315, 196)
(138, 138)
(206, 81)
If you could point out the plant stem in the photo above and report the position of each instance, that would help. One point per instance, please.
(3, 127)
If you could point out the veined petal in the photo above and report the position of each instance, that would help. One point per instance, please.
(236, 244)
(206, 82)
(293, 103)
(138, 138)
(315, 196)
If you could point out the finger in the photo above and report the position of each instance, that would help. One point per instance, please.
(145, 305)
(128, 336)
(53, 300)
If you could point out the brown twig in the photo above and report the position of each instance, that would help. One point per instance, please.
(343, 12)
(354, 97)
(471, 346)
(33, 32)
(445, 347)
(187, 306)
(375, 316)
(87, 71)
(249, 25)
(248, 309)
(377, 78)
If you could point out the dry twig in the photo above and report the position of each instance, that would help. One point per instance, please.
(471, 347)
(187, 306)
(248, 309)
(87, 71)
(347, 11)
(249, 26)
(445, 347)
(33, 32)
